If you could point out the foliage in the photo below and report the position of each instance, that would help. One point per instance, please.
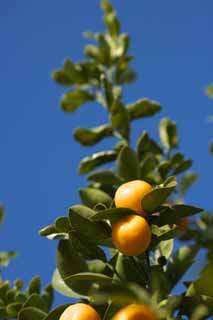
(88, 266)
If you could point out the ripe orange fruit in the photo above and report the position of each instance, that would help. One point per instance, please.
(130, 194)
(131, 235)
(135, 312)
(79, 311)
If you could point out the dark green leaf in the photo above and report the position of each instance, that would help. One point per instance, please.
(91, 197)
(88, 276)
(147, 145)
(56, 313)
(89, 137)
(180, 262)
(119, 118)
(97, 159)
(125, 76)
(106, 177)
(47, 296)
(34, 285)
(1, 214)
(62, 224)
(34, 300)
(127, 162)
(147, 166)
(31, 313)
(60, 286)
(164, 168)
(62, 77)
(183, 166)
(143, 108)
(80, 220)
(204, 284)
(13, 309)
(69, 262)
(187, 181)
(112, 214)
(156, 197)
(168, 133)
(73, 99)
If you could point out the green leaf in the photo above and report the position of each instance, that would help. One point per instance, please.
(147, 145)
(73, 99)
(97, 159)
(187, 181)
(183, 166)
(34, 285)
(91, 197)
(80, 220)
(86, 248)
(60, 286)
(143, 108)
(211, 148)
(180, 262)
(173, 214)
(106, 177)
(168, 133)
(46, 231)
(156, 197)
(13, 309)
(69, 262)
(31, 313)
(119, 118)
(166, 247)
(112, 214)
(112, 23)
(5, 257)
(125, 76)
(34, 300)
(62, 224)
(47, 296)
(128, 166)
(89, 276)
(204, 284)
(57, 312)
(62, 77)
(89, 137)
(147, 166)
(1, 214)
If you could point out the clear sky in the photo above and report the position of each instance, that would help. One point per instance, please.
(172, 42)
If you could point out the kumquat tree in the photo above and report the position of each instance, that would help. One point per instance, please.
(125, 248)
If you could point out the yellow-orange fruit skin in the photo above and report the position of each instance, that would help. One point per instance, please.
(79, 311)
(130, 194)
(131, 235)
(135, 312)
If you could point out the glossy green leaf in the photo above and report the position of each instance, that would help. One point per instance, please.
(173, 214)
(89, 137)
(97, 159)
(128, 165)
(156, 197)
(60, 286)
(180, 262)
(143, 108)
(34, 300)
(168, 133)
(166, 247)
(81, 222)
(183, 166)
(112, 214)
(73, 99)
(46, 231)
(88, 276)
(107, 177)
(62, 77)
(91, 197)
(88, 249)
(31, 313)
(69, 262)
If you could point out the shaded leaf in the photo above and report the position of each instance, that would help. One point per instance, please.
(73, 99)
(128, 166)
(89, 137)
(187, 181)
(106, 177)
(147, 145)
(56, 313)
(91, 197)
(119, 118)
(143, 108)
(168, 133)
(31, 313)
(112, 214)
(34, 285)
(97, 159)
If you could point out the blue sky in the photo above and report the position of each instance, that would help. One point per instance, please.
(171, 41)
